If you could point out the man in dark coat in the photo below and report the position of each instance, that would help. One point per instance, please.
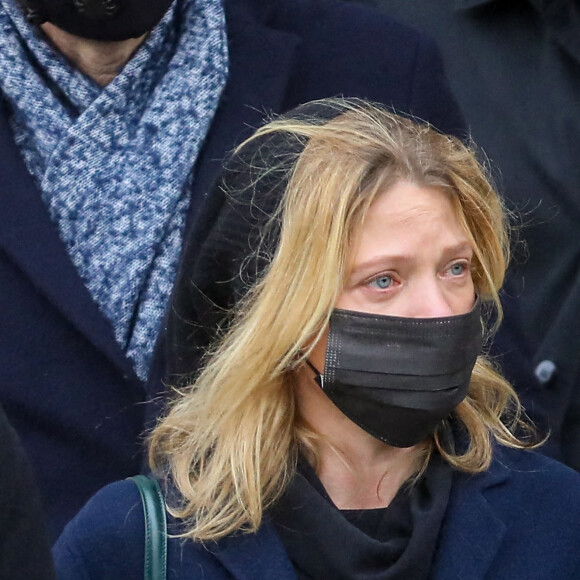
(514, 66)
(73, 379)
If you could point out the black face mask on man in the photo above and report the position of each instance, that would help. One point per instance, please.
(98, 19)
(398, 378)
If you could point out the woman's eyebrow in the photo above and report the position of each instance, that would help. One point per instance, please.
(380, 260)
(462, 247)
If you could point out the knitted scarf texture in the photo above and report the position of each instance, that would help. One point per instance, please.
(114, 164)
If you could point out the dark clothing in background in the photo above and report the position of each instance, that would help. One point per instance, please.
(514, 67)
(66, 385)
(24, 548)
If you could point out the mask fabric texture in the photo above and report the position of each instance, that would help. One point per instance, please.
(398, 378)
(110, 20)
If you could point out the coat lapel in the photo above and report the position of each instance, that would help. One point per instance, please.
(472, 531)
(259, 556)
(31, 239)
(260, 66)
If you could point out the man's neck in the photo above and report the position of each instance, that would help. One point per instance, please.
(98, 59)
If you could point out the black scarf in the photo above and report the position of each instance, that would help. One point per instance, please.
(393, 543)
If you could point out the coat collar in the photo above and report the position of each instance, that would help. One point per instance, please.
(473, 531)
(261, 59)
(259, 556)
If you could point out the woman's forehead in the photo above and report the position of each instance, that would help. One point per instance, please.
(406, 211)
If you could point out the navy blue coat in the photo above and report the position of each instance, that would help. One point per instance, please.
(67, 387)
(519, 520)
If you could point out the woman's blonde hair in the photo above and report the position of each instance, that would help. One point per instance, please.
(231, 439)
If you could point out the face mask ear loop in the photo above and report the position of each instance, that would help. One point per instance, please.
(318, 377)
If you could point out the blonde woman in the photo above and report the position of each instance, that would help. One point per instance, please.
(346, 423)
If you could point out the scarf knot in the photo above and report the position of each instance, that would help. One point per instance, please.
(115, 164)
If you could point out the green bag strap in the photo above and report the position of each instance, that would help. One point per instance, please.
(155, 527)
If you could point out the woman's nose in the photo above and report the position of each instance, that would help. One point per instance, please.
(430, 300)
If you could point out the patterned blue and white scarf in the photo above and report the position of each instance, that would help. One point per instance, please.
(114, 164)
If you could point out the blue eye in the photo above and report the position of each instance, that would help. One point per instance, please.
(382, 282)
(457, 269)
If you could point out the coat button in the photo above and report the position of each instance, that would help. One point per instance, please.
(545, 371)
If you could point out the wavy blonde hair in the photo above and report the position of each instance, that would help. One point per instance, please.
(231, 439)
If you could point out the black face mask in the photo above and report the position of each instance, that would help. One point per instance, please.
(98, 19)
(398, 378)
